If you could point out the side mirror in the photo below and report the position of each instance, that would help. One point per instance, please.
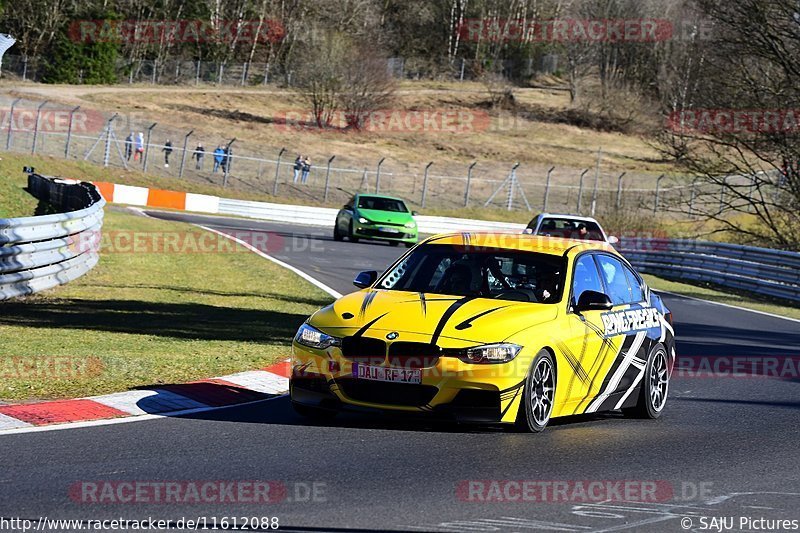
(365, 279)
(613, 240)
(593, 301)
(414, 213)
(528, 231)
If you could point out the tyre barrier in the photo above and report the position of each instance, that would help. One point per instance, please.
(42, 252)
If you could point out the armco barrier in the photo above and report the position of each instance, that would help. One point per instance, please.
(41, 252)
(762, 271)
(759, 270)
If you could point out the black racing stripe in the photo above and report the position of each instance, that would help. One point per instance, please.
(510, 403)
(367, 302)
(360, 333)
(514, 387)
(468, 322)
(606, 348)
(573, 362)
(423, 304)
(455, 306)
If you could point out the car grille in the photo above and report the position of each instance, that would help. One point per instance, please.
(403, 394)
(413, 354)
(364, 350)
(371, 232)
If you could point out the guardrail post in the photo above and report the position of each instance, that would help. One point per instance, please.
(228, 159)
(36, 126)
(469, 184)
(425, 184)
(658, 193)
(147, 145)
(328, 177)
(547, 188)
(183, 157)
(580, 190)
(11, 123)
(378, 177)
(277, 172)
(69, 132)
(619, 190)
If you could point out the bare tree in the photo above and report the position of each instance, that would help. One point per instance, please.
(367, 84)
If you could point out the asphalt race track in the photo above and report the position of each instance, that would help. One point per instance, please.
(726, 447)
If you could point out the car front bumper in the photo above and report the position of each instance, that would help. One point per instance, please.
(386, 233)
(450, 387)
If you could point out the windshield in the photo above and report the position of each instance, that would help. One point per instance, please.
(479, 272)
(382, 204)
(571, 229)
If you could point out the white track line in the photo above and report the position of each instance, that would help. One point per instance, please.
(773, 315)
(278, 262)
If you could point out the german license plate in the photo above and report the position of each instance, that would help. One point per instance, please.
(386, 374)
(389, 230)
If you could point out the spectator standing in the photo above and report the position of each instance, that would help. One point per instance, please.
(167, 152)
(199, 155)
(129, 146)
(138, 156)
(219, 154)
(226, 159)
(298, 167)
(306, 169)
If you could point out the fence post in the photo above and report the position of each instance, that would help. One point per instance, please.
(109, 134)
(692, 197)
(511, 186)
(11, 123)
(463, 65)
(245, 72)
(619, 190)
(228, 160)
(183, 157)
(596, 180)
(278, 172)
(469, 184)
(266, 74)
(425, 184)
(36, 126)
(328, 177)
(147, 145)
(658, 193)
(69, 132)
(197, 73)
(378, 177)
(580, 190)
(547, 188)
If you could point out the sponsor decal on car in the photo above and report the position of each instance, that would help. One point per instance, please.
(630, 321)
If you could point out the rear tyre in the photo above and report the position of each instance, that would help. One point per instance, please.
(313, 413)
(393, 243)
(351, 232)
(336, 235)
(654, 388)
(538, 395)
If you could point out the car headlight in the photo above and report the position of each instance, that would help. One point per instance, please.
(314, 338)
(411, 224)
(491, 353)
(363, 220)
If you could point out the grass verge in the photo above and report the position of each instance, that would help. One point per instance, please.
(715, 295)
(143, 319)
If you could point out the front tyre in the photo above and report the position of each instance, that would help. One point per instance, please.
(655, 386)
(351, 233)
(337, 236)
(538, 395)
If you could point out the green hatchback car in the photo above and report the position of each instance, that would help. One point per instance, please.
(372, 216)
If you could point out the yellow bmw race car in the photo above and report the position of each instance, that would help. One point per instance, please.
(496, 328)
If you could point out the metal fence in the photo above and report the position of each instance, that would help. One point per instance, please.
(761, 271)
(42, 252)
(197, 72)
(101, 138)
